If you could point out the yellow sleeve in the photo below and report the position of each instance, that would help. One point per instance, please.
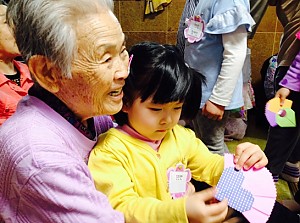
(210, 166)
(204, 165)
(114, 176)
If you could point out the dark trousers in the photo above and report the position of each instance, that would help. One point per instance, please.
(283, 144)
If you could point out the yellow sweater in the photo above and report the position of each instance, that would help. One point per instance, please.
(134, 176)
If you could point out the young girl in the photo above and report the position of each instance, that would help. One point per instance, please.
(141, 164)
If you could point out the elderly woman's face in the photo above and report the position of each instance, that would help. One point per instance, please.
(100, 70)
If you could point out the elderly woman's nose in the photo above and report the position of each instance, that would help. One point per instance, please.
(122, 68)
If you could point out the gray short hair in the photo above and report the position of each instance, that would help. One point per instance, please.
(47, 27)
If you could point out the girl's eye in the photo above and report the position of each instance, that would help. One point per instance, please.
(178, 108)
(155, 109)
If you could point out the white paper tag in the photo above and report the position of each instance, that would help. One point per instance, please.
(195, 29)
(177, 182)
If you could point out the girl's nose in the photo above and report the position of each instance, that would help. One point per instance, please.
(166, 119)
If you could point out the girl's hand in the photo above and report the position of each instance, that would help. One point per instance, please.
(201, 209)
(248, 155)
(190, 189)
(213, 111)
(282, 93)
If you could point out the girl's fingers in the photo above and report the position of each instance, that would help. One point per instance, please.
(248, 155)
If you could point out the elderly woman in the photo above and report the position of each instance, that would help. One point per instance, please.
(76, 54)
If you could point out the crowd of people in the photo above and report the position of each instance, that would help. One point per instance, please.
(89, 131)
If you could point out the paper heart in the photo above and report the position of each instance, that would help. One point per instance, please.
(230, 187)
(259, 182)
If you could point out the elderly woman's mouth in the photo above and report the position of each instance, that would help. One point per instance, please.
(116, 92)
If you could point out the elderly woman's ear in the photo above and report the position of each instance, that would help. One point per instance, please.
(44, 72)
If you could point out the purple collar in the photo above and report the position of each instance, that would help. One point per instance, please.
(58, 106)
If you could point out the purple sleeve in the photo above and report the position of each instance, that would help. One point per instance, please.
(103, 123)
(65, 194)
(292, 78)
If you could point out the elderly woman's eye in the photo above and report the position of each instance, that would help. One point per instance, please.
(124, 51)
(106, 60)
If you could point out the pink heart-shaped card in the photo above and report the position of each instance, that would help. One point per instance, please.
(251, 192)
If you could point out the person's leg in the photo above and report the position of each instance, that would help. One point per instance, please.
(295, 97)
(282, 214)
(297, 194)
(289, 147)
(280, 145)
(211, 132)
(294, 204)
(283, 143)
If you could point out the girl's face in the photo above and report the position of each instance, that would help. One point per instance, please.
(151, 120)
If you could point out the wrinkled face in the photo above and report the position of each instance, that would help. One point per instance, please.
(100, 70)
(153, 120)
(8, 47)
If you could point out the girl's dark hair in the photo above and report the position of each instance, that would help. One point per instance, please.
(159, 71)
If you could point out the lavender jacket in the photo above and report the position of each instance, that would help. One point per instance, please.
(43, 171)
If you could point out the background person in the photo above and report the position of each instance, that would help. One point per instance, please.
(218, 51)
(282, 148)
(290, 88)
(15, 78)
(76, 54)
